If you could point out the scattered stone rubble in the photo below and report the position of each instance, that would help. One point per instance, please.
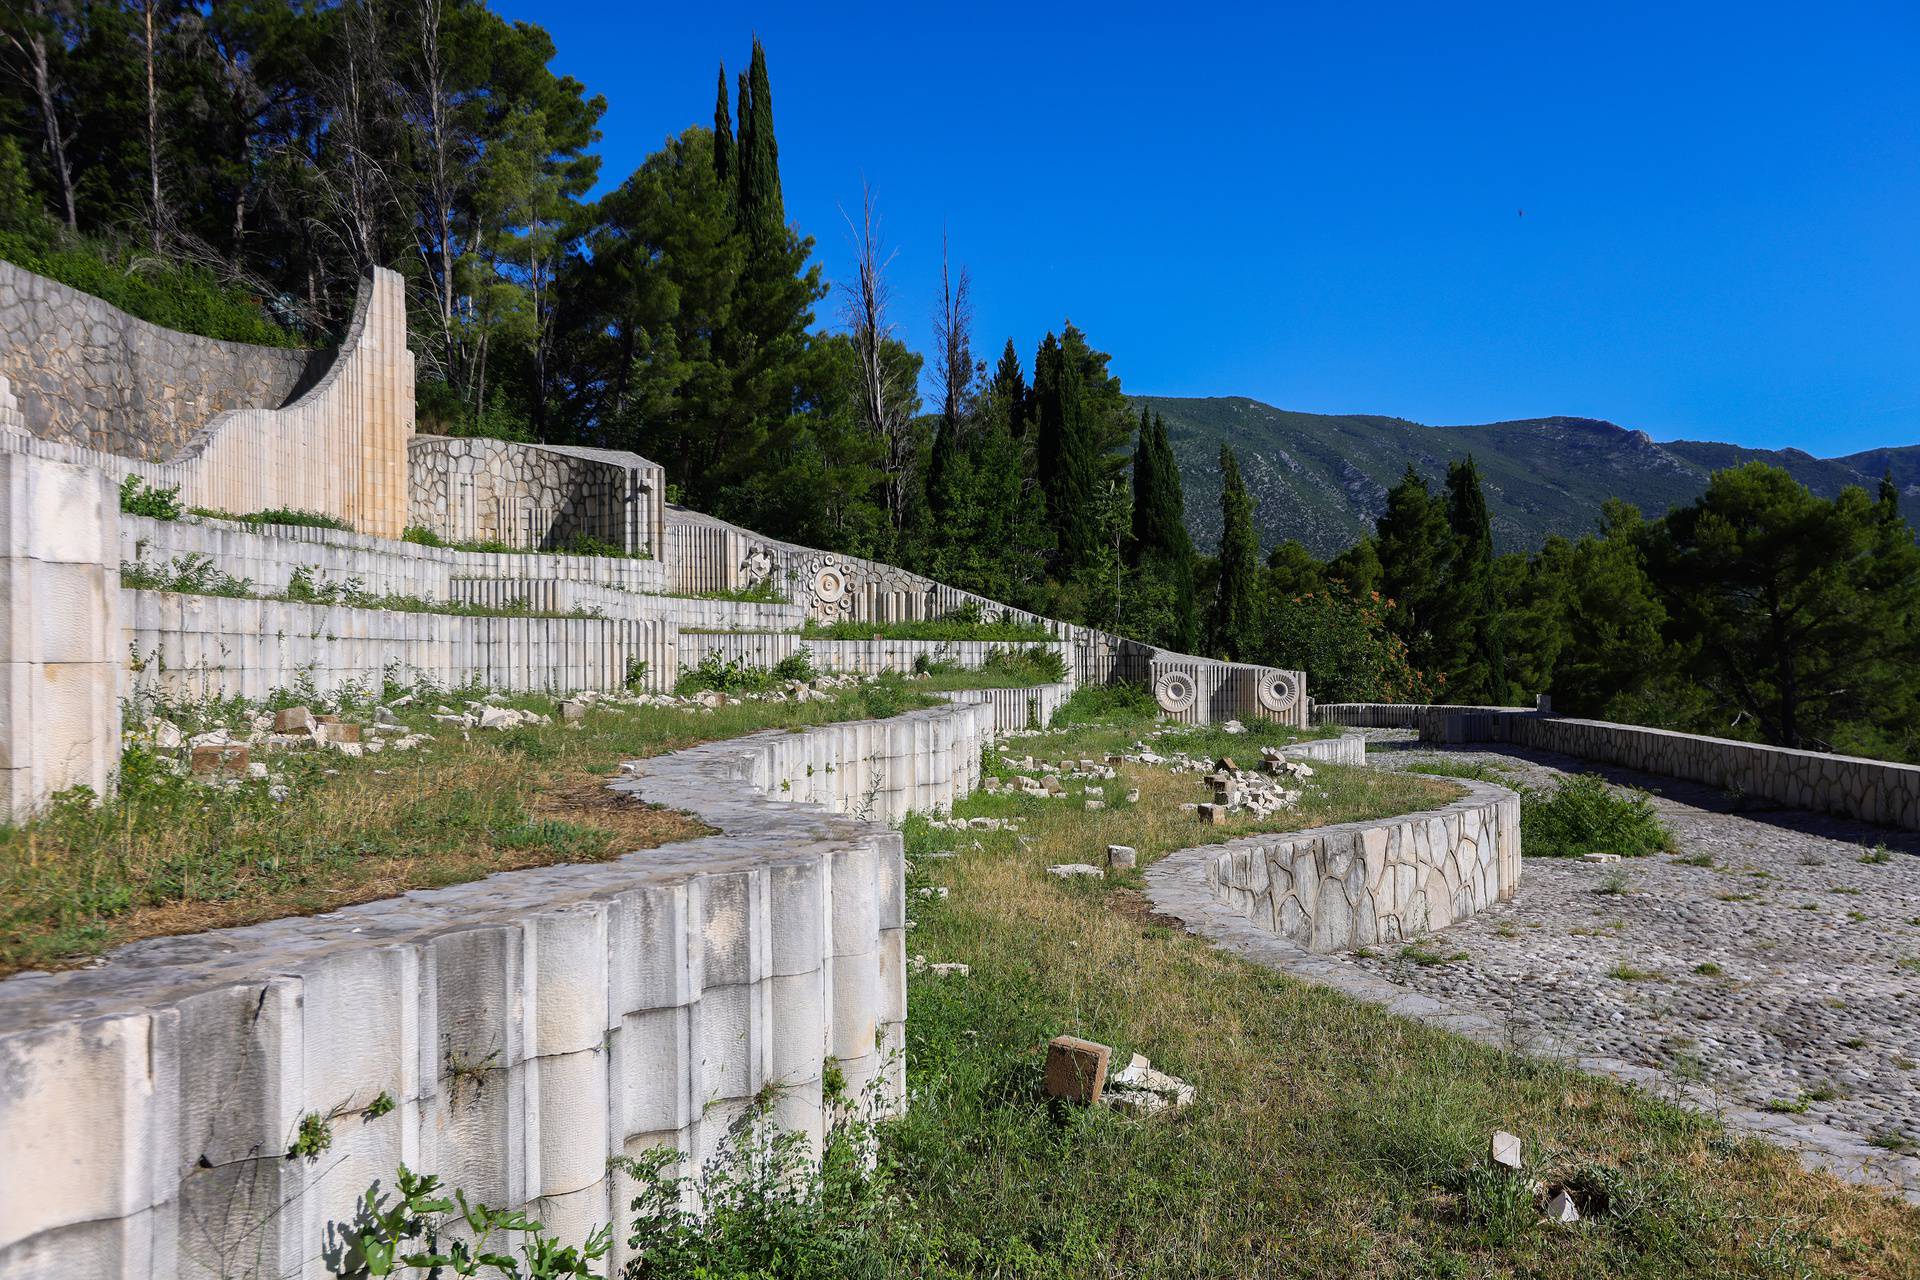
(1077, 1072)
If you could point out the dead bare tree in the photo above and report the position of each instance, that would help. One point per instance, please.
(157, 214)
(886, 392)
(953, 336)
(34, 23)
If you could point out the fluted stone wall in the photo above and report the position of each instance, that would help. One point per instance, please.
(851, 657)
(61, 649)
(88, 374)
(526, 1027)
(1028, 708)
(339, 447)
(1336, 888)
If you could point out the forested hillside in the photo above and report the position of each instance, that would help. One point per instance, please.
(1322, 479)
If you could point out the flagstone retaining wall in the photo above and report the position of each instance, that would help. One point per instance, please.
(1360, 883)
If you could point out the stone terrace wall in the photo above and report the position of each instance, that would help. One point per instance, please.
(339, 447)
(90, 375)
(1336, 888)
(850, 657)
(1028, 708)
(269, 553)
(537, 496)
(706, 555)
(527, 1027)
(190, 647)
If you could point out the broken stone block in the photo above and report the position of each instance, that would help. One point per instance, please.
(1599, 857)
(1121, 855)
(1137, 1089)
(1068, 870)
(1233, 726)
(951, 969)
(1133, 795)
(573, 711)
(1213, 814)
(166, 734)
(1562, 1209)
(1504, 1150)
(1076, 1069)
(220, 757)
(331, 733)
(1093, 806)
(293, 720)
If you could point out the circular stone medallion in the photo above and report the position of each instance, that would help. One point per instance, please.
(1174, 690)
(1276, 690)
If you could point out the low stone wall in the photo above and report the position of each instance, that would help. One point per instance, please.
(1028, 708)
(1877, 791)
(1393, 715)
(189, 647)
(535, 495)
(268, 554)
(1349, 749)
(1360, 883)
(339, 447)
(87, 374)
(524, 1028)
(847, 657)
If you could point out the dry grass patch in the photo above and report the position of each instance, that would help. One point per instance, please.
(1330, 1139)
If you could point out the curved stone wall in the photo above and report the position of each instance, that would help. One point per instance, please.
(339, 447)
(89, 375)
(525, 1027)
(1360, 883)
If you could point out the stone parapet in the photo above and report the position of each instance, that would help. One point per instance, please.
(524, 1028)
(1361, 883)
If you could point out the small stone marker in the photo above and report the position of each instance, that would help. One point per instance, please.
(1505, 1149)
(229, 757)
(951, 969)
(1133, 795)
(1068, 870)
(1076, 1068)
(1599, 857)
(1213, 814)
(293, 720)
(1562, 1209)
(1121, 855)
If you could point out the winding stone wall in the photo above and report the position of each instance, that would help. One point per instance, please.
(88, 374)
(1336, 888)
(526, 1027)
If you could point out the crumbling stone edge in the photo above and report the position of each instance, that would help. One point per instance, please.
(1177, 886)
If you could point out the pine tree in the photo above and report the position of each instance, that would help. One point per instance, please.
(723, 135)
(1415, 548)
(1008, 389)
(1234, 621)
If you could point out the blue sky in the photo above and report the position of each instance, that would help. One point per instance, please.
(1320, 206)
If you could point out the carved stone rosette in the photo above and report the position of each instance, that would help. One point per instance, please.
(1276, 691)
(1175, 690)
(829, 594)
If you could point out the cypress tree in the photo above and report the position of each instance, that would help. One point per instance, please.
(1471, 612)
(762, 210)
(1234, 591)
(1145, 488)
(723, 135)
(1162, 552)
(1008, 390)
(1415, 549)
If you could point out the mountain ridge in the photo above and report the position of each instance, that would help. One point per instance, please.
(1323, 478)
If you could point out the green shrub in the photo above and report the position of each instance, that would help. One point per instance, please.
(172, 295)
(725, 676)
(959, 624)
(1583, 815)
(278, 515)
(421, 536)
(1095, 703)
(138, 498)
(585, 544)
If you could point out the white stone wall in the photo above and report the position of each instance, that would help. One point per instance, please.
(60, 635)
(1029, 708)
(339, 448)
(849, 657)
(526, 1027)
(190, 646)
(1336, 888)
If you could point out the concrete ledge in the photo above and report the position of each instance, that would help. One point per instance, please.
(526, 1026)
(1336, 888)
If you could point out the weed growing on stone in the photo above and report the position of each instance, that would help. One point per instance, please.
(1584, 815)
(1628, 973)
(1429, 957)
(1473, 770)
(1877, 856)
(138, 498)
(313, 1137)
(1708, 969)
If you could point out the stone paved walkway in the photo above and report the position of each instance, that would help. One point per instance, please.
(1804, 1026)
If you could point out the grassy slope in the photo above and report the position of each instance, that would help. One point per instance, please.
(1321, 478)
(168, 855)
(1329, 1140)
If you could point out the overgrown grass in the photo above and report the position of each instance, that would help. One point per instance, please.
(196, 574)
(168, 855)
(1016, 668)
(278, 515)
(1583, 815)
(761, 592)
(1330, 1139)
(170, 294)
(931, 629)
(1111, 718)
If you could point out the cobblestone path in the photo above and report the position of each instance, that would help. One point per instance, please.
(1775, 957)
